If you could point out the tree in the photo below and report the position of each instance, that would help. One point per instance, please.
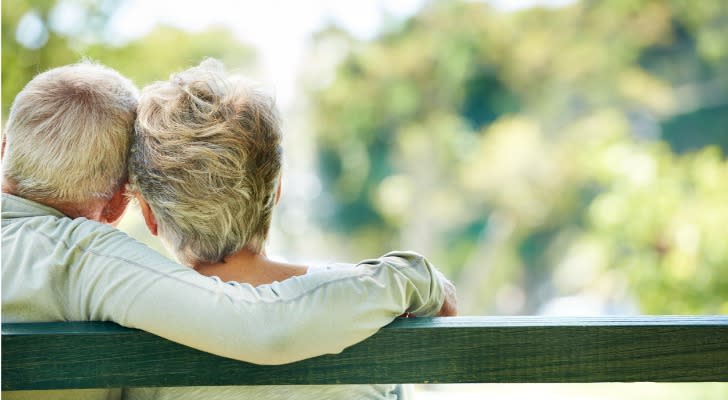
(538, 155)
(153, 57)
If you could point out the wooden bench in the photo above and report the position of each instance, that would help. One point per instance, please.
(418, 350)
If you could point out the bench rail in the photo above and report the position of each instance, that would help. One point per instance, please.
(418, 350)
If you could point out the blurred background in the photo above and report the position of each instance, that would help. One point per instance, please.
(554, 157)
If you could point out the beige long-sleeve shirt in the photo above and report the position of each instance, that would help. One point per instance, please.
(55, 269)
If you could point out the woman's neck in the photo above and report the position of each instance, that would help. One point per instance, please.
(250, 267)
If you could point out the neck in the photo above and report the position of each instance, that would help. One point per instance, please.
(250, 267)
(92, 209)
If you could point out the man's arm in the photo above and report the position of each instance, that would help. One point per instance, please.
(283, 322)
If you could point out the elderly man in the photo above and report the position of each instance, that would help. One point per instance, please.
(64, 172)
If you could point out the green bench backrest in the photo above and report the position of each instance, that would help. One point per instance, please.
(418, 350)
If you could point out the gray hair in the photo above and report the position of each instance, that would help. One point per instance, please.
(207, 158)
(68, 134)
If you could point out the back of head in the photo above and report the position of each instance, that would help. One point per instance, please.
(207, 159)
(68, 134)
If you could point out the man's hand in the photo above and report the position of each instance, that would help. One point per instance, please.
(450, 305)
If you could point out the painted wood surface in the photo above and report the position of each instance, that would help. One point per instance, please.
(416, 350)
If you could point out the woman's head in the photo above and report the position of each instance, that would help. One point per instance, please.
(206, 158)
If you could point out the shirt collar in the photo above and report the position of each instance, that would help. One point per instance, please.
(18, 207)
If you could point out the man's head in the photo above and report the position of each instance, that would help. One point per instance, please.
(206, 159)
(67, 136)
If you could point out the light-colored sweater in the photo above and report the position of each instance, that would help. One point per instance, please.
(59, 269)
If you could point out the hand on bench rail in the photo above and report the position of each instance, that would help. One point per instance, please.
(450, 305)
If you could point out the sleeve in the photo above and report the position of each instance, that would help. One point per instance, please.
(305, 316)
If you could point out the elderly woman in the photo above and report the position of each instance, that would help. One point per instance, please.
(206, 168)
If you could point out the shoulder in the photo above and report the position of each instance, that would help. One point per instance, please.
(394, 258)
(397, 258)
(64, 237)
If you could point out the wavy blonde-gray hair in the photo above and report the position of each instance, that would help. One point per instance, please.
(207, 158)
(68, 134)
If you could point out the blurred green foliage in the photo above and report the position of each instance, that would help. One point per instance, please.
(153, 57)
(574, 153)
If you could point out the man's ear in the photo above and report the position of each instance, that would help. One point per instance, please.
(148, 214)
(280, 189)
(115, 207)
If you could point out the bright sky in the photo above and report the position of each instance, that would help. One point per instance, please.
(279, 29)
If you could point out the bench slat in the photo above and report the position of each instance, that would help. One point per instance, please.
(419, 350)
